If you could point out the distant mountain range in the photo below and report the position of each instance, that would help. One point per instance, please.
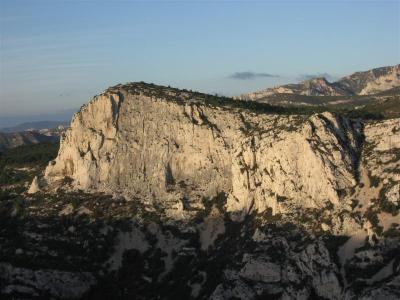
(365, 83)
(34, 126)
(31, 133)
(10, 120)
(12, 140)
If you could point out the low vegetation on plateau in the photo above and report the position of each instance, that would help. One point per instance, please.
(371, 107)
(22, 163)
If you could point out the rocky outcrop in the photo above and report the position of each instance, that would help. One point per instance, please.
(372, 81)
(34, 187)
(312, 87)
(185, 195)
(134, 144)
(57, 284)
(264, 276)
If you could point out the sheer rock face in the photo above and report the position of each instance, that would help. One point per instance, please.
(188, 171)
(121, 142)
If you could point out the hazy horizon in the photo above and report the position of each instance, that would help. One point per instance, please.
(56, 55)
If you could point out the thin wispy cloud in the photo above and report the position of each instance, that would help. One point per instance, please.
(248, 75)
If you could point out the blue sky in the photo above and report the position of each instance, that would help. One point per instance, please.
(55, 55)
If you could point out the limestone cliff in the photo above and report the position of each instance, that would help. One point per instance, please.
(131, 142)
(160, 193)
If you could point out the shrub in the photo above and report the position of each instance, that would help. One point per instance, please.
(29, 154)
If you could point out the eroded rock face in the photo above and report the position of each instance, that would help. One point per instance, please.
(211, 200)
(130, 143)
(58, 284)
(283, 278)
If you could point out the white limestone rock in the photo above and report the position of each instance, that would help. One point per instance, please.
(34, 187)
(138, 145)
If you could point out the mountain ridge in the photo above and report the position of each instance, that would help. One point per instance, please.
(359, 83)
(15, 139)
(34, 126)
